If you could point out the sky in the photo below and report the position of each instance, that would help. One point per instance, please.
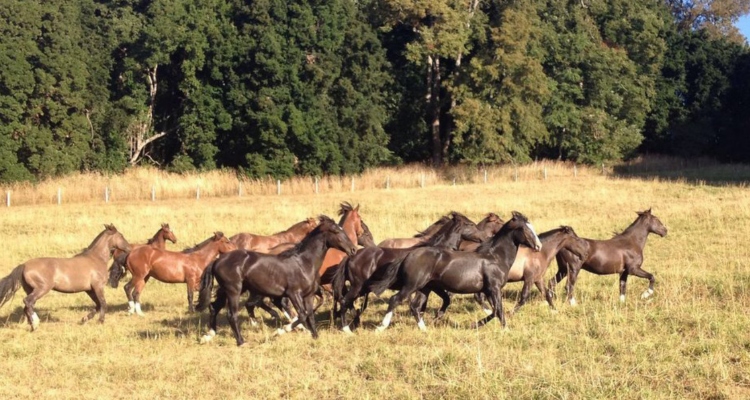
(744, 25)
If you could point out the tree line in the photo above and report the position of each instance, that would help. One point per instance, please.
(285, 87)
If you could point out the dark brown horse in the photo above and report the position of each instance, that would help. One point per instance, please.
(171, 267)
(119, 258)
(484, 271)
(490, 225)
(369, 264)
(84, 272)
(623, 254)
(264, 244)
(421, 237)
(292, 274)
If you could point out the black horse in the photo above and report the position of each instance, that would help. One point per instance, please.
(369, 264)
(623, 254)
(483, 271)
(292, 274)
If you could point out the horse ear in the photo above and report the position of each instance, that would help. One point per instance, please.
(356, 208)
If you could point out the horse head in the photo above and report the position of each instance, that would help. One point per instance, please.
(335, 236)
(653, 224)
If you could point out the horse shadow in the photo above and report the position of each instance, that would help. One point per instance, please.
(18, 316)
(111, 308)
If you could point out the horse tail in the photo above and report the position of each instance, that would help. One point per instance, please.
(117, 270)
(388, 277)
(10, 284)
(207, 286)
(339, 282)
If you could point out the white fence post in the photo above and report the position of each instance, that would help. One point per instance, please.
(106, 194)
(316, 185)
(239, 189)
(352, 183)
(545, 172)
(7, 198)
(153, 193)
(485, 175)
(278, 187)
(59, 196)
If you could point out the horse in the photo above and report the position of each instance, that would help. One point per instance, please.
(622, 254)
(119, 258)
(292, 274)
(490, 224)
(483, 271)
(530, 266)
(368, 264)
(84, 272)
(171, 267)
(421, 237)
(263, 244)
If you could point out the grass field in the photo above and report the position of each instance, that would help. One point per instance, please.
(690, 340)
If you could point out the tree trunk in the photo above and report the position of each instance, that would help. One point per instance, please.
(433, 111)
(138, 137)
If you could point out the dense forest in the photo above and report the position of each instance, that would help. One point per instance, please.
(284, 87)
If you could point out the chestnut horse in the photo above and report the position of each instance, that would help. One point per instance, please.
(84, 272)
(490, 225)
(421, 237)
(623, 254)
(292, 274)
(484, 271)
(119, 258)
(172, 267)
(263, 244)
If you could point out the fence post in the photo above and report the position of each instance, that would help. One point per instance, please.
(106, 194)
(352, 183)
(316, 185)
(153, 193)
(422, 184)
(602, 168)
(7, 198)
(545, 172)
(239, 189)
(278, 187)
(485, 175)
(197, 192)
(59, 196)
(387, 182)
(454, 181)
(515, 174)
(575, 171)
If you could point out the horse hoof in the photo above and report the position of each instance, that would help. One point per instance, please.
(243, 344)
(253, 323)
(487, 311)
(381, 328)
(622, 298)
(208, 337)
(422, 326)
(347, 330)
(648, 293)
(280, 332)
(573, 302)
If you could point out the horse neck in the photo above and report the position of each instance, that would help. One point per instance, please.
(348, 226)
(449, 240)
(551, 245)
(502, 247)
(98, 249)
(158, 240)
(206, 253)
(638, 231)
(290, 235)
(311, 252)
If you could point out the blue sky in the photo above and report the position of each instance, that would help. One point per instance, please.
(744, 25)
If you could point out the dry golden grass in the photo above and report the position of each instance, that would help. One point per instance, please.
(690, 341)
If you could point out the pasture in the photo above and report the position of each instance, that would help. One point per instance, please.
(690, 340)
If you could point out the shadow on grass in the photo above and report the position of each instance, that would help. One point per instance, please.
(18, 316)
(699, 171)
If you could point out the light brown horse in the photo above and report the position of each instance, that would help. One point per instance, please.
(351, 223)
(119, 258)
(172, 267)
(419, 238)
(84, 272)
(263, 244)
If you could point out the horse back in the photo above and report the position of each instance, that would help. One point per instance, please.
(67, 275)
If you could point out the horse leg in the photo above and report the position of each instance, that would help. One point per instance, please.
(233, 311)
(250, 305)
(216, 306)
(417, 305)
(562, 272)
(356, 321)
(646, 275)
(95, 298)
(311, 316)
(524, 294)
(129, 294)
(446, 302)
(480, 298)
(29, 302)
(394, 301)
(572, 279)
(623, 285)
(299, 306)
(545, 293)
(496, 301)
(137, 290)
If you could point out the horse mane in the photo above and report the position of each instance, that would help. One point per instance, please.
(545, 235)
(490, 243)
(444, 230)
(344, 210)
(630, 227)
(294, 250)
(198, 246)
(96, 239)
(305, 221)
(442, 221)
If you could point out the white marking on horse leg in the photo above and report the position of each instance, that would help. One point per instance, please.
(421, 325)
(286, 315)
(208, 336)
(648, 293)
(573, 301)
(34, 322)
(253, 322)
(280, 332)
(131, 307)
(347, 330)
(138, 310)
(288, 327)
(487, 311)
(386, 321)
(622, 298)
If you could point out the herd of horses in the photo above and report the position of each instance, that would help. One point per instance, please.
(293, 269)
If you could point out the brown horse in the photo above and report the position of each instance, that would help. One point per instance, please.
(292, 274)
(263, 244)
(172, 267)
(419, 238)
(623, 254)
(119, 258)
(351, 223)
(84, 272)
(489, 226)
